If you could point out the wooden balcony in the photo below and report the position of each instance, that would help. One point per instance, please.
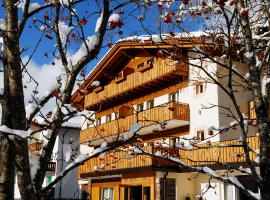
(173, 115)
(162, 74)
(125, 160)
(227, 152)
(35, 147)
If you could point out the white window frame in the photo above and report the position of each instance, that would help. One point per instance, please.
(111, 193)
(171, 97)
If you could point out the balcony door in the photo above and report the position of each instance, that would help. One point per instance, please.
(133, 193)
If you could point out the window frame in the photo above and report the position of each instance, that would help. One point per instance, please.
(108, 118)
(201, 135)
(176, 97)
(111, 192)
(150, 104)
(98, 121)
(199, 88)
(140, 107)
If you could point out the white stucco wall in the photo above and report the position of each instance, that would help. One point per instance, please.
(193, 184)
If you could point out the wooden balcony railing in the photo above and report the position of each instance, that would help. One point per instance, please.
(51, 166)
(169, 111)
(223, 152)
(35, 147)
(150, 78)
(122, 160)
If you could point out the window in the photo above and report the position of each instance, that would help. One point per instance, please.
(150, 104)
(116, 115)
(172, 142)
(173, 96)
(199, 88)
(141, 65)
(140, 107)
(108, 118)
(150, 61)
(98, 121)
(200, 135)
(119, 75)
(106, 193)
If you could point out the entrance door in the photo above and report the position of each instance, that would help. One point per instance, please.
(133, 193)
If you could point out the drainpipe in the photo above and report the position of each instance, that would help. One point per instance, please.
(164, 185)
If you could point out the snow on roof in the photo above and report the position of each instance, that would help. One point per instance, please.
(160, 37)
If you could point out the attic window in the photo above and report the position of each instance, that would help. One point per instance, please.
(140, 65)
(149, 64)
(150, 61)
(119, 77)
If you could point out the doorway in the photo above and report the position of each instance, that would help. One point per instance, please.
(133, 193)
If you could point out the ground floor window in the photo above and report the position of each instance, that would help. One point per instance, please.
(106, 193)
(167, 189)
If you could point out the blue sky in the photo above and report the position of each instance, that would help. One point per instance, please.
(132, 26)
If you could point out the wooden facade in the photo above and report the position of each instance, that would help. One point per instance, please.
(162, 72)
(129, 78)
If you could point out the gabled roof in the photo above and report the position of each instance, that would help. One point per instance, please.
(124, 50)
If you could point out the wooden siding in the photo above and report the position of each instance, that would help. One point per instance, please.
(223, 152)
(160, 68)
(172, 110)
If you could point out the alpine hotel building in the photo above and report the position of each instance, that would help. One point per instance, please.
(170, 99)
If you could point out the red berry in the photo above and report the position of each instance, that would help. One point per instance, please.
(73, 36)
(46, 16)
(244, 12)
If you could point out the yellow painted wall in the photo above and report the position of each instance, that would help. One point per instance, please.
(118, 187)
(96, 189)
(184, 186)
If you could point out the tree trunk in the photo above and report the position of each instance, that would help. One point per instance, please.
(7, 170)
(14, 104)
